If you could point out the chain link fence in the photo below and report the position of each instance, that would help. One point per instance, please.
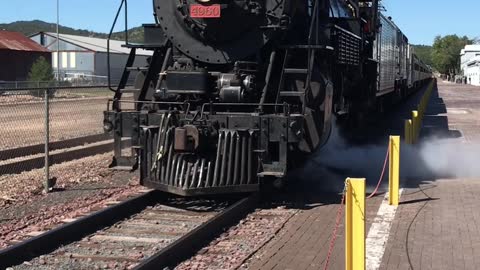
(68, 83)
(36, 121)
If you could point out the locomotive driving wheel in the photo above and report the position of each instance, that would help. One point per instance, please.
(317, 111)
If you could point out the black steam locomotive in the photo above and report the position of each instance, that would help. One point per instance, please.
(238, 92)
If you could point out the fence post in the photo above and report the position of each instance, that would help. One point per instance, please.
(47, 142)
(394, 172)
(355, 225)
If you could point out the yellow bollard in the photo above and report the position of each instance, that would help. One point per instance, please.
(394, 176)
(415, 127)
(355, 225)
(408, 131)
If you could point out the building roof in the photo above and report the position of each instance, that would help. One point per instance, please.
(471, 48)
(18, 42)
(97, 44)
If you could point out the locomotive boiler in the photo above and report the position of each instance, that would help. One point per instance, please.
(238, 92)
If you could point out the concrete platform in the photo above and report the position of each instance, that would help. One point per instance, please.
(436, 226)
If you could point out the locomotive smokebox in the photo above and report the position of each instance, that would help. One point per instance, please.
(222, 32)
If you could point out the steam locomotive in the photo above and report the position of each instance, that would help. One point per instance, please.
(239, 92)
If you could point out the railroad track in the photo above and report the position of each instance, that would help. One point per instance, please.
(151, 231)
(17, 160)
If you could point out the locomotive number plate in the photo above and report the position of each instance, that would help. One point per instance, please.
(201, 11)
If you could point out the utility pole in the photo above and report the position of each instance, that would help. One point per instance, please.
(58, 41)
(48, 184)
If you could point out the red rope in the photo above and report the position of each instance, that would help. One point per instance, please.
(334, 233)
(381, 175)
(340, 210)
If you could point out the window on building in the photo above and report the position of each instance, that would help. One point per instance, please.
(64, 60)
(55, 60)
(73, 60)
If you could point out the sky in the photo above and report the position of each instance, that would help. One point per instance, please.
(94, 15)
(420, 20)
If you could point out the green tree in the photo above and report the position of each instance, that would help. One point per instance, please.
(446, 53)
(41, 71)
(424, 52)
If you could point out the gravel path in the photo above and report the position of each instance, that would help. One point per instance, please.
(234, 247)
(128, 242)
(23, 124)
(82, 186)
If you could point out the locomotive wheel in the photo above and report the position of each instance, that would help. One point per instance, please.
(318, 112)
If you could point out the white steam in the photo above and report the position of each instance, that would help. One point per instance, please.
(430, 160)
(450, 158)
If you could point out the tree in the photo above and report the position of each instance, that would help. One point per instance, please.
(424, 52)
(446, 53)
(41, 71)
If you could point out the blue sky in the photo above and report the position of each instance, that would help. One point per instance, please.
(421, 20)
(96, 15)
(430, 18)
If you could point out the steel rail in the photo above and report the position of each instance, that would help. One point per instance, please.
(56, 145)
(74, 231)
(13, 89)
(37, 162)
(186, 246)
(178, 251)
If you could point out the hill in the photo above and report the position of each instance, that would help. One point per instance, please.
(135, 34)
(424, 52)
(31, 27)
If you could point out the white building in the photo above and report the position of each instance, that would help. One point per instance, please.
(86, 57)
(470, 64)
(472, 71)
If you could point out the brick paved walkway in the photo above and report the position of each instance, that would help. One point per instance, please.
(437, 225)
(303, 242)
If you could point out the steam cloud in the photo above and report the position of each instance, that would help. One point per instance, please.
(432, 159)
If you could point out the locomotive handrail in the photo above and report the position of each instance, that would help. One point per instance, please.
(204, 104)
(112, 101)
(284, 105)
(122, 3)
(267, 79)
(311, 54)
